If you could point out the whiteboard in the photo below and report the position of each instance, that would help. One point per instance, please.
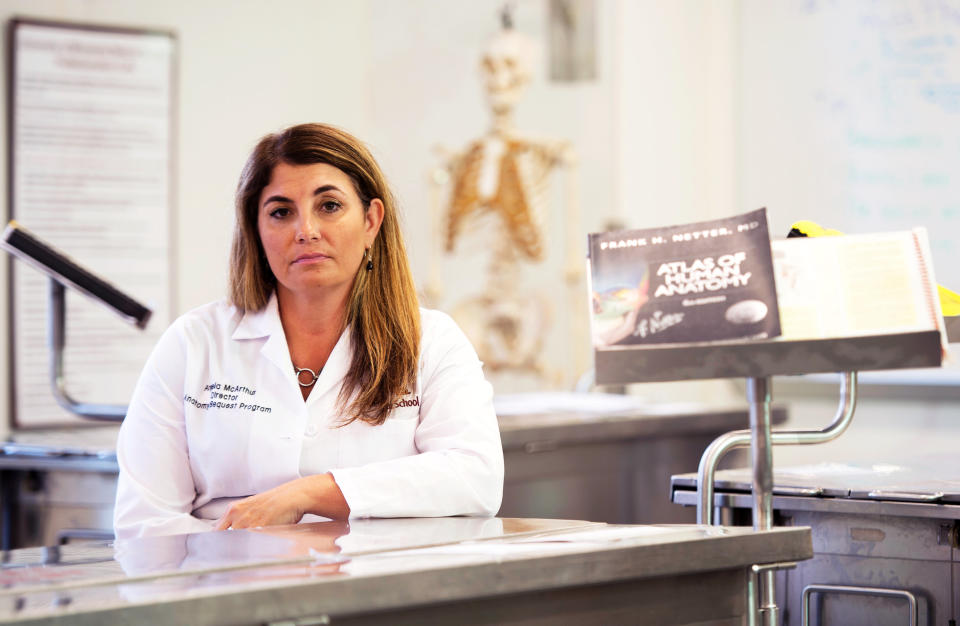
(849, 115)
(91, 136)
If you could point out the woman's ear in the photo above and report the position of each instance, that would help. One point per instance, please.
(374, 218)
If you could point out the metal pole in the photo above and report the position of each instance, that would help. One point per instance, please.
(758, 393)
(57, 331)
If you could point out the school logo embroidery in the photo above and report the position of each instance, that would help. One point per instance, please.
(415, 401)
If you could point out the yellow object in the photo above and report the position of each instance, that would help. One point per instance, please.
(812, 229)
(949, 300)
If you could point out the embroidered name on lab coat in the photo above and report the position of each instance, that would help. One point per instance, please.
(217, 388)
(228, 396)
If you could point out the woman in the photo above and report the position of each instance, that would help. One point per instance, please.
(319, 388)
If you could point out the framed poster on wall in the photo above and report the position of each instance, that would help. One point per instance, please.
(91, 128)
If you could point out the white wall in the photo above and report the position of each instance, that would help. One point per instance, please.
(675, 102)
(890, 427)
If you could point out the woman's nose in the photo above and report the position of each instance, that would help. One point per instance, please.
(308, 228)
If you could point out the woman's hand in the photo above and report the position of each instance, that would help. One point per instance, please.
(287, 504)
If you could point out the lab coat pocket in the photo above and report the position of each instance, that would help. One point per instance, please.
(364, 443)
(399, 430)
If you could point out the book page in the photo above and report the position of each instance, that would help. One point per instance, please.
(854, 285)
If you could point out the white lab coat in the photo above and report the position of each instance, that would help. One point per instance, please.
(217, 415)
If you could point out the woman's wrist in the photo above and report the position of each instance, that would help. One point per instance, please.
(324, 497)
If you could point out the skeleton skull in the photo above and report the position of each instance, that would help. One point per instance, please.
(506, 69)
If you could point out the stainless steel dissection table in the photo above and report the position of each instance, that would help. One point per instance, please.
(401, 571)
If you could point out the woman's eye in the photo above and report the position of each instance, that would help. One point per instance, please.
(330, 206)
(280, 212)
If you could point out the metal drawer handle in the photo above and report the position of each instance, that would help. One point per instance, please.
(797, 491)
(809, 590)
(533, 447)
(906, 495)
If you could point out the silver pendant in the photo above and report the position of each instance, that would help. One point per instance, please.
(313, 375)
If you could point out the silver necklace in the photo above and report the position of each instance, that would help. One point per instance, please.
(313, 375)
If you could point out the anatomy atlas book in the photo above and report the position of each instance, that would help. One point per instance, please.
(701, 282)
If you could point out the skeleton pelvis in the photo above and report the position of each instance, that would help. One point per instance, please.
(509, 331)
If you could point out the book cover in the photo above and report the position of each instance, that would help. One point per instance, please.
(700, 282)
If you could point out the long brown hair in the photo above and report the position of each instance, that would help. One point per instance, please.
(382, 310)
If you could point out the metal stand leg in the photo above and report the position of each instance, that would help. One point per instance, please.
(742, 438)
(760, 438)
(57, 328)
(758, 394)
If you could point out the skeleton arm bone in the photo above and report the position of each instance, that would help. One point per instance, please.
(437, 180)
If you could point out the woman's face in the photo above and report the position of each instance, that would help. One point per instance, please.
(314, 228)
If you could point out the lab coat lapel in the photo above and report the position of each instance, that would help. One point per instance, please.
(266, 323)
(336, 367)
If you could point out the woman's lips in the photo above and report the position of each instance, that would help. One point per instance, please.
(309, 258)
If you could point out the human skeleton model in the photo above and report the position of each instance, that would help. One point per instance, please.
(506, 175)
